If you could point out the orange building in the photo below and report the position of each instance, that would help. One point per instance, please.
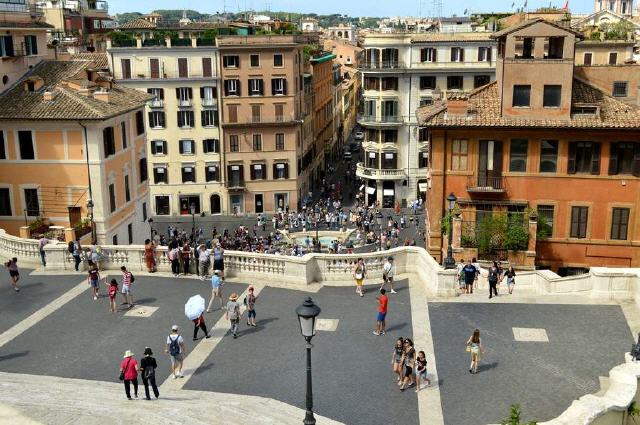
(540, 138)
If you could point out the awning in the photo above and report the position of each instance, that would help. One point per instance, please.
(423, 187)
(387, 192)
(371, 190)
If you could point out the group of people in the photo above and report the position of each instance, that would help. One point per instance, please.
(404, 360)
(468, 272)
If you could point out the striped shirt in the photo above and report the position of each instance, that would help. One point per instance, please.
(126, 278)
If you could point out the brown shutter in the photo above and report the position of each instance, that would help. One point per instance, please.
(275, 171)
(201, 92)
(162, 94)
(153, 147)
(242, 173)
(453, 55)
(286, 171)
(183, 68)
(206, 67)
(461, 54)
(595, 159)
(178, 93)
(613, 159)
(253, 172)
(489, 53)
(636, 159)
(571, 162)
(190, 93)
(154, 65)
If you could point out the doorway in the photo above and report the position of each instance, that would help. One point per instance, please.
(388, 194)
(186, 202)
(215, 204)
(281, 201)
(258, 201)
(490, 164)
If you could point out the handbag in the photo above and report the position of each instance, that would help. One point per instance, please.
(468, 348)
(121, 377)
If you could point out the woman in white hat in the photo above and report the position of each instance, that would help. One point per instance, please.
(129, 373)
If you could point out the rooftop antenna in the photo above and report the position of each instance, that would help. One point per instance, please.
(437, 8)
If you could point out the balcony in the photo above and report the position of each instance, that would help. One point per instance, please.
(210, 102)
(382, 120)
(235, 184)
(486, 184)
(184, 103)
(379, 174)
(382, 65)
(455, 65)
(156, 103)
(263, 120)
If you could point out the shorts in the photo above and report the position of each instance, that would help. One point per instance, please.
(359, 282)
(511, 282)
(95, 283)
(218, 265)
(408, 371)
(251, 313)
(388, 279)
(175, 359)
(469, 283)
(126, 289)
(14, 273)
(381, 316)
(422, 374)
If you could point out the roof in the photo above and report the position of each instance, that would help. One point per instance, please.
(484, 103)
(100, 60)
(322, 57)
(464, 19)
(26, 24)
(68, 103)
(450, 37)
(586, 19)
(528, 23)
(139, 23)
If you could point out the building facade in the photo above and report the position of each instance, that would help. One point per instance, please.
(401, 72)
(540, 139)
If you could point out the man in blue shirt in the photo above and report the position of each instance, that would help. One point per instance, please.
(216, 289)
(469, 271)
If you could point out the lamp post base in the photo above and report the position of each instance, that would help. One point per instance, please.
(449, 263)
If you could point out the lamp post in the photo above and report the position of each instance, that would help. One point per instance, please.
(193, 222)
(307, 313)
(150, 221)
(379, 218)
(449, 262)
(93, 227)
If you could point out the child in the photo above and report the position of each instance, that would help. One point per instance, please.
(421, 370)
(250, 302)
(113, 291)
(94, 279)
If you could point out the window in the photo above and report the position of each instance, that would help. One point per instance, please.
(232, 87)
(140, 118)
(280, 170)
(230, 61)
(112, 197)
(187, 147)
(256, 113)
(278, 86)
(258, 172)
(108, 141)
(156, 119)
(279, 141)
(427, 82)
(620, 88)
(481, 80)
(144, 211)
(162, 205)
(484, 54)
(159, 147)
(212, 173)
(130, 232)
(235, 174)
(6, 45)
(389, 161)
(548, 156)
(31, 202)
(552, 95)
(188, 174)
(211, 146)
(545, 215)
(425, 101)
(554, 47)
(114, 240)
(390, 83)
(127, 191)
(233, 113)
(457, 54)
(454, 82)
(125, 64)
(624, 158)
(579, 222)
(587, 58)
(185, 119)
(428, 54)
(123, 133)
(142, 169)
(371, 83)
(154, 67)
(372, 160)
(619, 223)
(5, 201)
(30, 45)
(160, 174)
(3, 152)
(255, 60)
(209, 117)
(184, 95)
(518, 155)
(257, 142)
(521, 96)
(208, 95)
(584, 157)
(256, 87)
(278, 61)
(459, 155)
(234, 145)
(25, 143)
(423, 160)
(524, 47)
(613, 58)
(183, 68)
(279, 109)
(207, 68)
(423, 134)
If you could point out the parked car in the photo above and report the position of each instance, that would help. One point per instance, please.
(347, 155)
(359, 135)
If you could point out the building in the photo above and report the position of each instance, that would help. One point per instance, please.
(73, 148)
(184, 137)
(593, 21)
(310, 25)
(539, 138)
(455, 24)
(349, 99)
(262, 104)
(347, 32)
(621, 7)
(323, 89)
(401, 72)
(347, 53)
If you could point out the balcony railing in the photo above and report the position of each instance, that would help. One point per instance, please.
(486, 184)
(234, 184)
(451, 64)
(164, 76)
(156, 103)
(263, 119)
(382, 119)
(209, 102)
(184, 103)
(379, 174)
(383, 65)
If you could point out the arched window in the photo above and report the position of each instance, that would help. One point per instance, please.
(215, 204)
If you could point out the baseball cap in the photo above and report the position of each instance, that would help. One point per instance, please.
(174, 327)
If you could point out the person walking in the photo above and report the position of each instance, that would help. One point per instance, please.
(127, 280)
(14, 273)
(150, 255)
(94, 279)
(359, 274)
(129, 374)
(176, 350)
(186, 257)
(460, 276)
(148, 367)
(203, 261)
(112, 292)
(218, 259)
(250, 303)
(233, 314)
(216, 290)
(396, 358)
(388, 270)
(421, 370)
(199, 324)
(475, 348)
(408, 360)
(43, 256)
(77, 254)
(383, 302)
(174, 257)
(469, 273)
(510, 274)
(494, 276)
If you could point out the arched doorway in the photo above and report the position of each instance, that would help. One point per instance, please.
(388, 194)
(215, 204)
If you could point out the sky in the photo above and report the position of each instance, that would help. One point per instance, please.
(349, 7)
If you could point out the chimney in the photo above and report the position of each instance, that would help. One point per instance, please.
(457, 107)
(101, 95)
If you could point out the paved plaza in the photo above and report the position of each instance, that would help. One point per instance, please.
(54, 328)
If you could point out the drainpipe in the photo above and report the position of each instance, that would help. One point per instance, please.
(409, 118)
(86, 149)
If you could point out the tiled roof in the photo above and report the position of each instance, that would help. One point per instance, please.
(68, 103)
(100, 60)
(139, 23)
(450, 37)
(484, 111)
(30, 24)
(529, 22)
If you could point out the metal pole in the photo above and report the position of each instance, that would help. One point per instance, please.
(449, 249)
(309, 419)
(193, 226)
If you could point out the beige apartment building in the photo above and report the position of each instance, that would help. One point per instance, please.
(262, 104)
(183, 134)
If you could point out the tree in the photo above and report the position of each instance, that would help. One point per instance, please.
(123, 18)
(514, 417)
(617, 30)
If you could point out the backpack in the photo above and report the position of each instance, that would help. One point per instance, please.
(132, 279)
(174, 346)
(113, 290)
(493, 275)
(233, 310)
(71, 247)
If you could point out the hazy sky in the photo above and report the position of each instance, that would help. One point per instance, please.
(349, 7)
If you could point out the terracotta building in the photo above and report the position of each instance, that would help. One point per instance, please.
(540, 138)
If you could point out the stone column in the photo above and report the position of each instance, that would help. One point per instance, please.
(167, 40)
(24, 232)
(456, 240)
(533, 234)
(379, 191)
(138, 42)
(194, 42)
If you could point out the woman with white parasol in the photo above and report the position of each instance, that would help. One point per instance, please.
(193, 309)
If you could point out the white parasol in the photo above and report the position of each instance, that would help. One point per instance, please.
(194, 307)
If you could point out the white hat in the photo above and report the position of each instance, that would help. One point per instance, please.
(174, 327)
(128, 353)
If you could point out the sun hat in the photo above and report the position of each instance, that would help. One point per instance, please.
(233, 296)
(128, 353)
(216, 272)
(174, 327)
(147, 351)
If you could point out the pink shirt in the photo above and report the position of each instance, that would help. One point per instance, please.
(130, 372)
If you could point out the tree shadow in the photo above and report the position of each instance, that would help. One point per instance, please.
(203, 368)
(14, 355)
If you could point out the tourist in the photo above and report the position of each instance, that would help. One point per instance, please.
(203, 261)
(216, 289)
(41, 243)
(233, 314)
(408, 360)
(14, 273)
(477, 266)
(199, 324)
(494, 276)
(174, 257)
(148, 367)
(469, 273)
(421, 370)
(112, 292)
(186, 257)
(218, 259)
(460, 276)
(94, 279)
(150, 255)
(511, 279)
(250, 302)
(396, 359)
(77, 254)
(127, 280)
(383, 302)
(176, 350)
(388, 270)
(359, 274)
(475, 348)
(129, 374)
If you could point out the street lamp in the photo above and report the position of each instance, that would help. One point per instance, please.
(449, 262)
(307, 313)
(379, 218)
(93, 230)
(150, 221)
(193, 222)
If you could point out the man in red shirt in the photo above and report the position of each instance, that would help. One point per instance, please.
(381, 323)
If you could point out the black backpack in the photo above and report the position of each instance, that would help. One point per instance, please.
(71, 247)
(174, 346)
